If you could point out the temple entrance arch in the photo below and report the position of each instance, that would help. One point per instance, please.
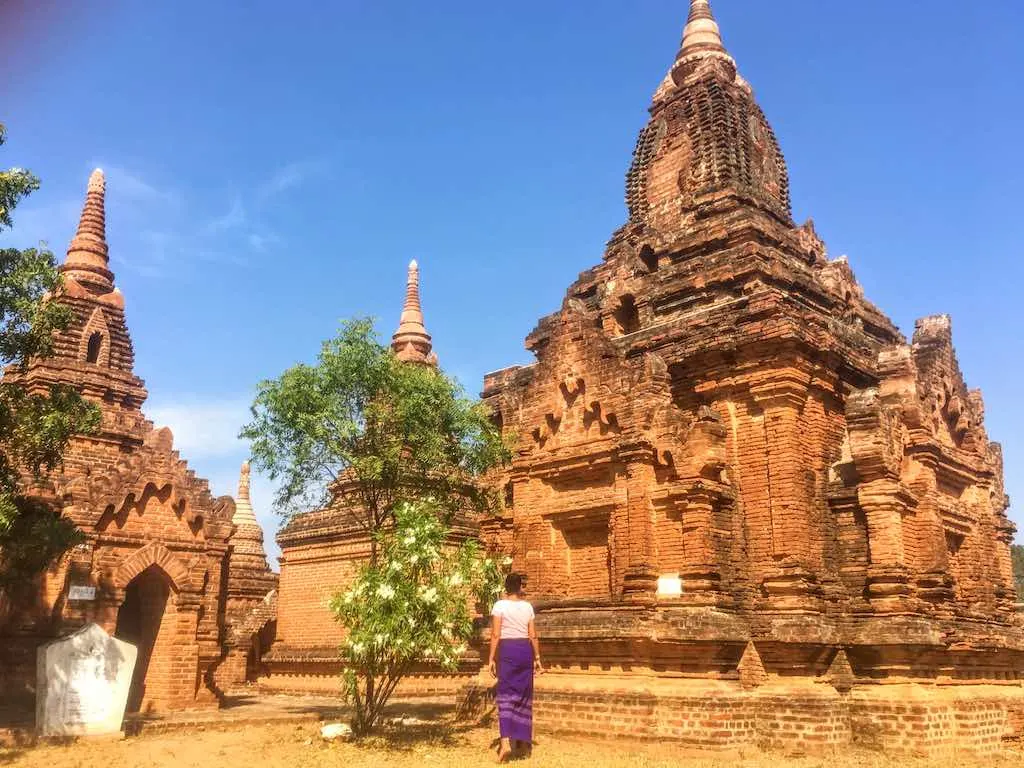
(143, 620)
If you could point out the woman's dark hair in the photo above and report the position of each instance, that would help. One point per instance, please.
(513, 584)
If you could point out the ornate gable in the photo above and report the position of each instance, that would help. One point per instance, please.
(150, 492)
(574, 395)
(926, 471)
(953, 414)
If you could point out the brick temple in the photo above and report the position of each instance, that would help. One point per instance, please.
(164, 564)
(321, 552)
(749, 510)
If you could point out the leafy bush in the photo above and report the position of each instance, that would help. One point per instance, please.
(415, 604)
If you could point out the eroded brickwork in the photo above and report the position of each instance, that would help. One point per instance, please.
(718, 401)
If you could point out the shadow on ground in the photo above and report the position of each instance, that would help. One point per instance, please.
(16, 742)
(416, 716)
(409, 725)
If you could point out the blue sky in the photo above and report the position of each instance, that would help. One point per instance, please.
(272, 169)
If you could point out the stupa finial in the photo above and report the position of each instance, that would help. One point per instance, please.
(244, 514)
(411, 342)
(87, 261)
(702, 38)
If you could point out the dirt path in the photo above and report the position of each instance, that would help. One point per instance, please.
(299, 746)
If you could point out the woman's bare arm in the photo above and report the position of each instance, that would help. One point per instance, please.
(531, 630)
(495, 637)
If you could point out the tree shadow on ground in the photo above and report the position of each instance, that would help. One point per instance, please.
(410, 726)
(238, 704)
(15, 743)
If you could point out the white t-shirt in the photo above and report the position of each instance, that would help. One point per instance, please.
(516, 616)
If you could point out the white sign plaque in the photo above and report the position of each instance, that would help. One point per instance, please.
(82, 593)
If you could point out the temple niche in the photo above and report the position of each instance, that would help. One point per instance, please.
(162, 559)
(717, 406)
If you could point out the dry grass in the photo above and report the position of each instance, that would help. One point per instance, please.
(299, 746)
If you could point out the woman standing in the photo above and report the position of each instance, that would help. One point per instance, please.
(515, 654)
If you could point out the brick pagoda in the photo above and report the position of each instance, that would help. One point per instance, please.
(747, 508)
(321, 552)
(251, 596)
(159, 549)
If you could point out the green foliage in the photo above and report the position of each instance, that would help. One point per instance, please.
(34, 431)
(414, 604)
(27, 323)
(34, 428)
(36, 536)
(15, 185)
(395, 431)
(1017, 554)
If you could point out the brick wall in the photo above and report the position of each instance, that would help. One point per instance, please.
(310, 576)
(801, 718)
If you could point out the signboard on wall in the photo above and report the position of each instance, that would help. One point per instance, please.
(82, 593)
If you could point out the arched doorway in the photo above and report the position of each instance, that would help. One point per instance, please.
(139, 620)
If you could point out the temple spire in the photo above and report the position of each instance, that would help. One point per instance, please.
(87, 260)
(248, 558)
(702, 37)
(244, 514)
(411, 342)
(412, 312)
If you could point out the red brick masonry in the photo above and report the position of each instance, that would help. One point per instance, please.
(717, 402)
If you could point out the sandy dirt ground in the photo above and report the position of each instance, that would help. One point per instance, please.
(300, 745)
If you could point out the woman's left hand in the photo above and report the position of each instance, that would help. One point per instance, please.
(538, 667)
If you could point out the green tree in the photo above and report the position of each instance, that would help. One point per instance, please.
(414, 605)
(398, 448)
(370, 431)
(1017, 555)
(34, 428)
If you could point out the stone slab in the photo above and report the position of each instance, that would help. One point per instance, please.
(82, 683)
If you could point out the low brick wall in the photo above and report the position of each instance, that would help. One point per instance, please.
(798, 716)
(298, 684)
(302, 671)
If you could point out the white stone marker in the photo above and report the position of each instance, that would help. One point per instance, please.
(82, 683)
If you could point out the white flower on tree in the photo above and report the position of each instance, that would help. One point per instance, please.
(421, 610)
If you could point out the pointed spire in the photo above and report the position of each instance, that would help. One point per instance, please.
(412, 313)
(411, 341)
(248, 558)
(87, 260)
(244, 514)
(702, 37)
